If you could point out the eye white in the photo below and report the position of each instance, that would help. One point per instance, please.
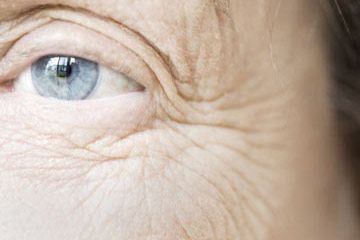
(112, 83)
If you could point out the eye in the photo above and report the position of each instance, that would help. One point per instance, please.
(72, 68)
(73, 78)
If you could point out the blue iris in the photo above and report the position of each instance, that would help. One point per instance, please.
(64, 77)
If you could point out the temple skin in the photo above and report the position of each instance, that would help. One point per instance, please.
(232, 139)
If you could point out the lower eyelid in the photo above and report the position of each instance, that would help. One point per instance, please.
(119, 115)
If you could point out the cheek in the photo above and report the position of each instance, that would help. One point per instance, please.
(130, 175)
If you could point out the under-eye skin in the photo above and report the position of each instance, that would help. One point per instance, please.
(64, 77)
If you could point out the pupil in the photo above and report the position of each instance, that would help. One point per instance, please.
(64, 67)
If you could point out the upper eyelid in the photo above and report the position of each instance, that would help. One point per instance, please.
(119, 33)
(29, 48)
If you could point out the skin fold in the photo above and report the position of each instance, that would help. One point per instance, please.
(233, 137)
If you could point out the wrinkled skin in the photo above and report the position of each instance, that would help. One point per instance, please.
(233, 138)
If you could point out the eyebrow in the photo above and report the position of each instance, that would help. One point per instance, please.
(13, 9)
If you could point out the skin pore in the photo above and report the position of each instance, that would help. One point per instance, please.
(232, 139)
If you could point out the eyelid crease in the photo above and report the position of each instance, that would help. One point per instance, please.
(10, 32)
